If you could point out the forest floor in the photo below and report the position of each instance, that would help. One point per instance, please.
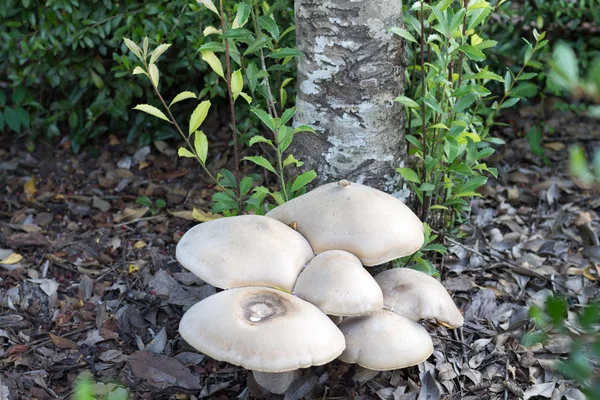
(89, 281)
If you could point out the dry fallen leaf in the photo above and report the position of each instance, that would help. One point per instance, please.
(30, 188)
(130, 214)
(140, 244)
(62, 343)
(12, 259)
(203, 216)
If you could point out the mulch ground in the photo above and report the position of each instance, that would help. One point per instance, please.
(89, 282)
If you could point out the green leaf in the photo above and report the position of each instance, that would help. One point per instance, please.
(285, 52)
(147, 108)
(237, 83)
(245, 185)
(158, 52)
(304, 128)
(507, 81)
(427, 187)
(409, 175)
(264, 117)
(485, 75)
(433, 104)
(154, 74)
(464, 102)
(201, 145)
(403, 33)
(258, 44)
(241, 34)
(510, 102)
(268, 24)
(214, 62)
(183, 152)
(259, 139)
(263, 162)
(527, 76)
(435, 247)
(406, 101)
(182, 96)
(525, 90)
(12, 119)
(292, 160)
(243, 12)
(215, 47)
(472, 52)
(287, 115)
(303, 180)
(210, 5)
(198, 116)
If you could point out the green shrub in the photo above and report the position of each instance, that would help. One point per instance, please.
(59, 62)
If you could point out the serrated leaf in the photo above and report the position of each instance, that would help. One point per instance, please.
(268, 24)
(261, 161)
(201, 145)
(404, 34)
(287, 115)
(264, 117)
(258, 44)
(154, 75)
(147, 108)
(304, 128)
(134, 48)
(198, 116)
(303, 180)
(182, 96)
(158, 52)
(292, 160)
(183, 152)
(214, 62)
(259, 139)
(472, 52)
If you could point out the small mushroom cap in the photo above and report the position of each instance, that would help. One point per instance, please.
(384, 341)
(416, 295)
(261, 329)
(367, 222)
(248, 250)
(336, 282)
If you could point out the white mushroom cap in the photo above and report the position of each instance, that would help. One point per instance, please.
(384, 341)
(416, 295)
(367, 222)
(336, 282)
(261, 329)
(248, 250)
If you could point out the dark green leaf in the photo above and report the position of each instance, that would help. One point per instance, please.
(268, 24)
(303, 180)
(260, 160)
(285, 52)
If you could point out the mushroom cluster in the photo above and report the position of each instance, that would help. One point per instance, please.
(277, 312)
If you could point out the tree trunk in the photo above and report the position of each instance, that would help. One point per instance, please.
(351, 72)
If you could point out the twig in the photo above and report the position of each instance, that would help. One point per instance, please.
(139, 220)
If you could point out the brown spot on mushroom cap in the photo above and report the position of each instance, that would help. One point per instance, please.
(367, 222)
(384, 341)
(247, 250)
(261, 329)
(336, 282)
(416, 295)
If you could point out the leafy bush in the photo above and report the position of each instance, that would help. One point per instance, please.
(58, 62)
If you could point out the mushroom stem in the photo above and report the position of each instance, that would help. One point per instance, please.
(362, 374)
(276, 382)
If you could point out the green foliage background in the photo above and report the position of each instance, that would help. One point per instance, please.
(62, 62)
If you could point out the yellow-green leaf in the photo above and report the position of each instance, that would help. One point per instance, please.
(158, 52)
(147, 108)
(210, 30)
(237, 83)
(246, 97)
(139, 70)
(209, 4)
(214, 62)
(134, 48)
(183, 152)
(182, 96)
(201, 145)
(154, 75)
(198, 116)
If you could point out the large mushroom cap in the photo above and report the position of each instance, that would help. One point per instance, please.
(248, 250)
(367, 222)
(384, 341)
(416, 295)
(261, 329)
(336, 282)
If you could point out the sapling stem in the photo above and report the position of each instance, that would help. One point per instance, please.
(236, 152)
(183, 135)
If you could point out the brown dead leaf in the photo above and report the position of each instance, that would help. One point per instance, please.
(16, 349)
(554, 146)
(61, 342)
(130, 214)
(203, 216)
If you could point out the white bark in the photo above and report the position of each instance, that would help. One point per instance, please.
(347, 81)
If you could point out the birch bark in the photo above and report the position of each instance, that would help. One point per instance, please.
(347, 81)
